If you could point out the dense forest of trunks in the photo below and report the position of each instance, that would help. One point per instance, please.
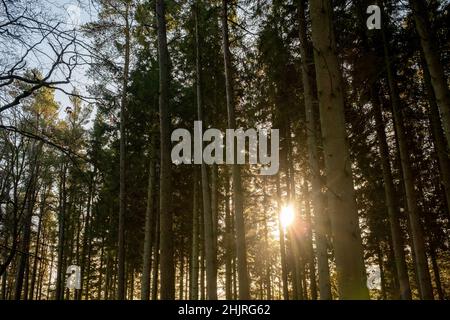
(363, 187)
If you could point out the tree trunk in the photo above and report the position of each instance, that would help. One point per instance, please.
(296, 259)
(149, 225)
(86, 238)
(30, 199)
(282, 246)
(423, 273)
(61, 236)
(389, 192)
(228, 241)
(437, 276)
(435, 67)
(310, 253)
(350, 269)
(214, 207)
(379, 260)
(210, 254)
(241, 247)
(100, 276)
(202, 252)
(36, 250)
(167, 291)
(193, 293)
(156, 256)
(313, 158)
(121, 292)
(438, 137)
(267, 263)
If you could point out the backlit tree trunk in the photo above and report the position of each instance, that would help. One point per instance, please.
(423, 273)
(389, 192)
(241, 247)
(167, 267)
(149, 225)
(313, 158)
(351, 273)
(121, 292)
(435, 67)
(210, 254)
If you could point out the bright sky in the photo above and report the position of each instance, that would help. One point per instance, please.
(74, 13)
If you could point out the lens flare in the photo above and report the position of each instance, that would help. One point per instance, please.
(287, 216)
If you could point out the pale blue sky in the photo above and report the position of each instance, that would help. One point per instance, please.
(74, 13)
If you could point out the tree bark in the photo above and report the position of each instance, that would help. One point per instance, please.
(38, 247)
(121, 289)
(438, 137)
(351, 273)
(61, 235)
(149, 225)
(310, 248)
(241, 247)
(423, 273)
(156, 256)
(389, 192)
(282, 246)
(210, 254)
(313, 158)
(435, 67)
(167, 291)
(86, 246)
(193, 293)
(437, 276)
(228, 240)
(268, 266)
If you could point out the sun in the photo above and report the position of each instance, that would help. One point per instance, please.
(287, 216)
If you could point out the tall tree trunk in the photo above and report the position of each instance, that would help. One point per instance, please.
(435, 67)
(382, 271)
(50, 272)
(313, 158)
(89, 254)
(37, 248)
(437, 276)
(42, 271)
(5, 274)
(284, 276)
(214, 207)
(181, 283)
(100, 276)
(156, 255)
(85, 259)
(167, 291)
(351, 273)
(30, 199)
(268, 266)
(228, 240)
(121, 289)
(423, 273)
(193, 293)
(201, 229)
(241, 247)
(389, 192)
(309, 244)
(210, 254)
(438, 137)
(61, 235)
(149, 224)
(295, 261)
